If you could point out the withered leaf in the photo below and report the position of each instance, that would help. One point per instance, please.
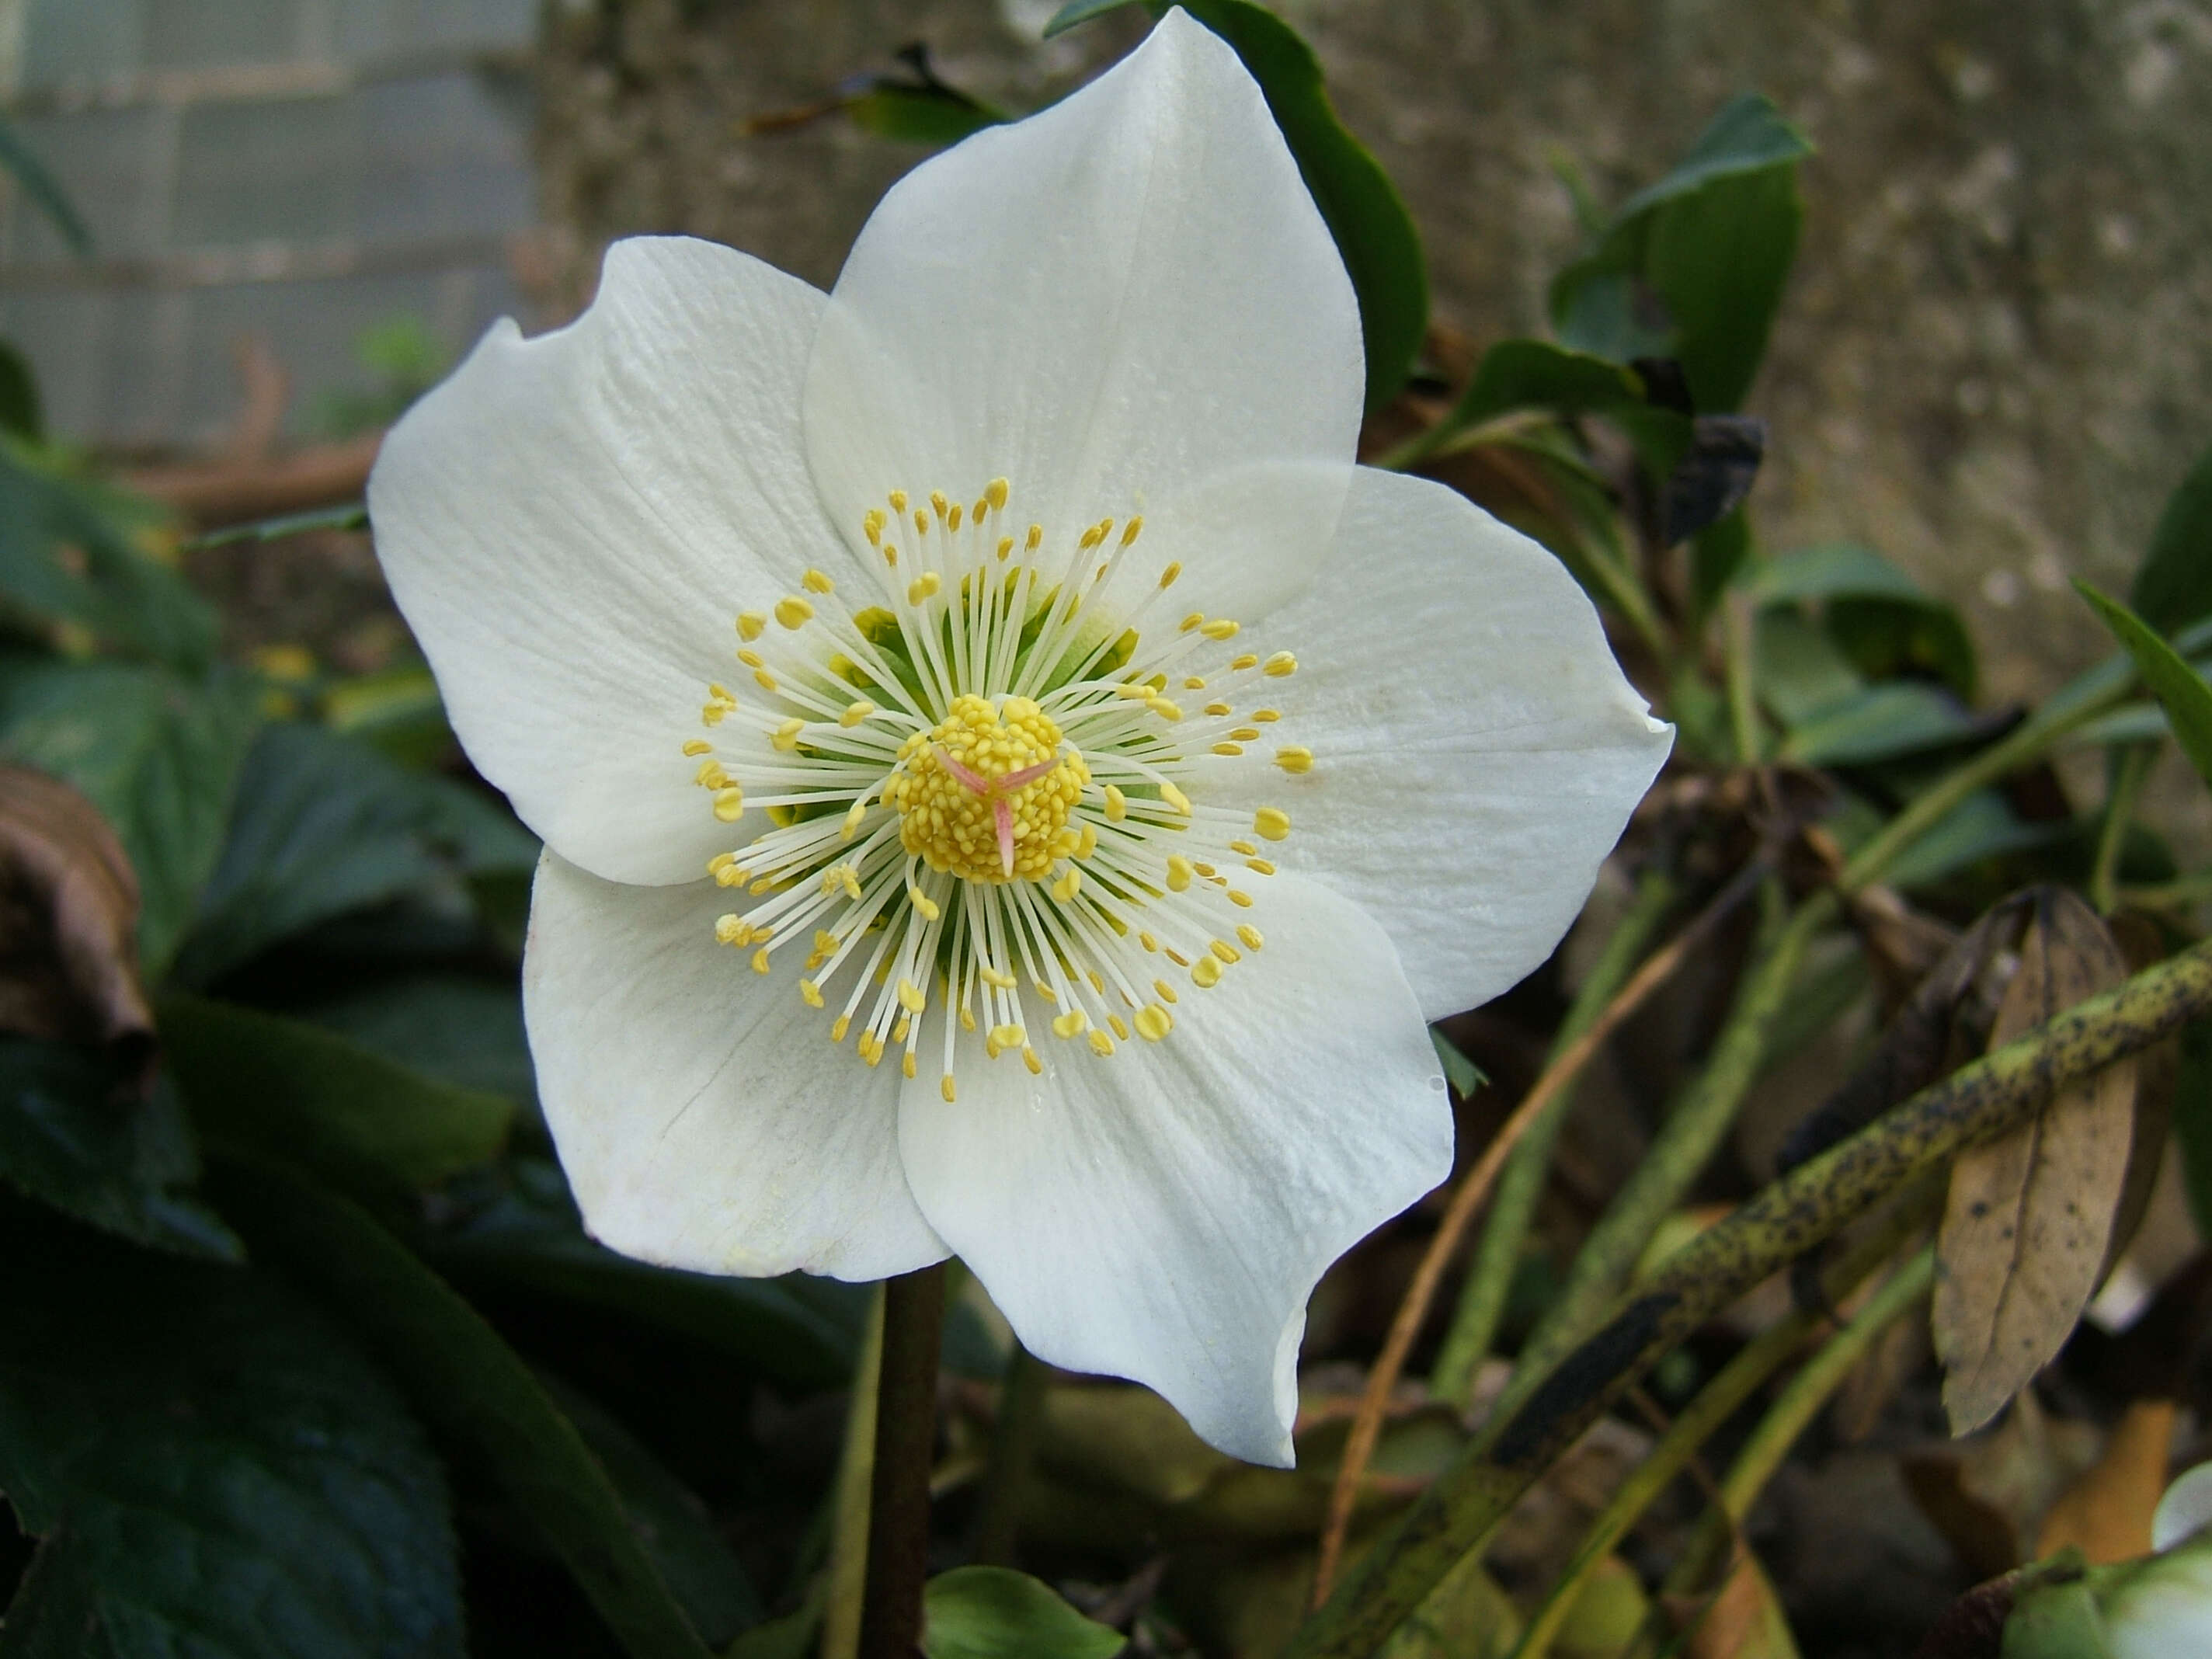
(2029, 1216)
(69, 919)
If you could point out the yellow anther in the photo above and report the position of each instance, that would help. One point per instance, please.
(995, 493)
(710, 776)
(1177, 801)
(921, 522)
(750, 624)
(1135, 691)
(730, 803)
(1247, 660)
(855, 713)
(1218, 708)
(1175, 569)
(1005, 546)
(1260, 866)
(1045, 992)
(1179, 873)
(1295, 759)
(922, 902)
(1029, 1059)
(1035, 538)
(1241, 900)
(851, 880)
(1245, 846)
(1271, 823)
(696, 747)
(872, 525)
(1196, 619)
(810, 994)
(1228, 748)
(1120, 1029)
(1071, 1025)
(1280, 665)
(967, 1019)
(713, 714)
(1251, 936)
(1153, 1022)
(721, 862)
(1244, 734)
(752, 659)
(890, 553)
(760, 960)
(784, 738)
(905, 1025)
(1133, 530)
(814, 581)
(937, 503)
(1225, 951)
(1068, 885)
(1087, 843)
(952, 518)
(1096, 534)
(765, 680)
(1204, 972)
(1117, 804)
(720, 693)
(839, 1026)
(907, 1065)
(910, 996)
(1164, 709)
(732, 930)
(1003, 1037)
(922, 587)
(1167, 992)
(897, 499)
(1221, 627)
(731, 875)
(853, 814)
(1101, 1044)
(945, 1088)
(997, 978)
(1266, 716)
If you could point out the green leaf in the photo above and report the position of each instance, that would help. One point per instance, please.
(1799, 671)
(1718, 554)
(55, 1613)
(352, 516)
(993, 1613)
(2173, 587)
(1900, 718)
(2192, 1118)
(800, 1331)
(1979, 827)
(1374, 233)
(1080, 11)
(934, 114)
(157, 752)
(21, 415)
(1692, 266)
(2179, 689)
(325, 825)
(455, 1027)
(692, 1557)
(1878, 614)
(464, 1377)
(1537, 374)
(72, 550)
(77, 1133)
(227, 1476)
(278, 1086)
(1464, 1075)
(40, 186)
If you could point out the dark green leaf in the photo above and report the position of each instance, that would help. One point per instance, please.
(1979, 827)
(325, 825)
(1692, 266)
(801, 1331)
(40, 186)
(1900, 718)
(993, 1613)
(2192, 1118)
(55, 1613)
(1836, 569)
(693, 1559)
(921, 115)
(1799, 671)
(2179, 689)
(1537, 374)
(462, 1030)
(1374, 233)
(1717, 555)
(77, 1133)
(72, 550)
(1876, 612)
(156, 752)
(1080, 11)
(227, 1476)
(20, 414)
(468, 1381)
(352, 516)
(279, 1087)
(1465, 1076)
(2173, 587)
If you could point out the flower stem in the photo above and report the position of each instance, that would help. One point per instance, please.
(2128, 769)
(906, 1444)
(1013, 1450)
(1775, 1226)
(848, 1540)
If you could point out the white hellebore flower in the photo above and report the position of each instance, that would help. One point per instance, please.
(1110, 780)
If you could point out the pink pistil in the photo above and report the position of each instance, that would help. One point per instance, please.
(995, 791)
(1002, 815)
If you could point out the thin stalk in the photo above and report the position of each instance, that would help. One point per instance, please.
(1414, 1308)
(1780, 1222)
(1716, 1402)
(906, 1445)
(849, 1535)
(1792, 1413)
(1013, 1451)
(2130, 769)
(2171, 894)
(1735, 646)
(1497, 1257)
(1684, 1145)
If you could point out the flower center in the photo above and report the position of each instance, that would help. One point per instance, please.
(985, 796)
(975, 789)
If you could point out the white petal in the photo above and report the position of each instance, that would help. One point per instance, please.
(703, 1116)
(1163, 1213)
(1106, 303)
(570, 524)
(1477, 750)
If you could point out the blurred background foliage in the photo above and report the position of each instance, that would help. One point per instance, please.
(303, 1350)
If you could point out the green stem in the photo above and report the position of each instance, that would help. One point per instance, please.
(1783, 1221)
(1013, 1450)
(1685, 1145)
(906, 1447)
(848, 1537)
(2171, 894)
(2131, 767)
(1792, 1413)
(1489, 1280)
(1743, 712)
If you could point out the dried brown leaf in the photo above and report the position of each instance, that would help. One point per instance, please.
(69, 919)
(2029, 1217)
(2105, 1514)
